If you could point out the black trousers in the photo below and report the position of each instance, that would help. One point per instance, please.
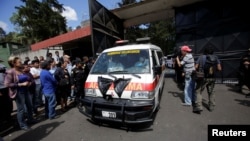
(6, 105)
(243, 77)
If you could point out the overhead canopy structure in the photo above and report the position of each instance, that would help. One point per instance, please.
(63, 39)
(149, 10)
(133, 14)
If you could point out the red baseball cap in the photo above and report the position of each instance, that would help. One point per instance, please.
(186, 48)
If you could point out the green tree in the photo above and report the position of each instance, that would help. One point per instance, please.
(39, 20)
(162, 33)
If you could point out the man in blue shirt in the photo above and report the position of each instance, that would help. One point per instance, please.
(48, 83)
(208, 81)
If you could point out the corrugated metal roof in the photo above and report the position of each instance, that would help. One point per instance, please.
(58, 40)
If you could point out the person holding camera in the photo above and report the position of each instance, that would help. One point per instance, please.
(178, 69)
(188, 68)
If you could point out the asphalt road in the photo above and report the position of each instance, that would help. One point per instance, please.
(173, 122)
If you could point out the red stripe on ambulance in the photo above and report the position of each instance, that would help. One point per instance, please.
(131, 86)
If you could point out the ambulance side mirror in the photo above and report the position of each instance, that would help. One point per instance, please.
(157, 69)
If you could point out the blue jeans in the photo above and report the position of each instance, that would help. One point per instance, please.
(189, 90)
(50, 105)
(23, 101)
(38, 96)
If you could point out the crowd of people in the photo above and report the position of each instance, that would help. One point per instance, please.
(42, 82)
(53, 80)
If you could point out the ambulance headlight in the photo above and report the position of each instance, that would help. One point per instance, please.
(90, 92)
(142, 95)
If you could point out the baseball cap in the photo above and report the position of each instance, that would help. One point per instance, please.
(186, 48)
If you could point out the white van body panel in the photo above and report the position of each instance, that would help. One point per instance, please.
(136, 63)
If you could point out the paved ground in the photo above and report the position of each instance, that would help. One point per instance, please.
(173, 122)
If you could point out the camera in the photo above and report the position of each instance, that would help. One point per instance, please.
(177, 52)
(2, 69)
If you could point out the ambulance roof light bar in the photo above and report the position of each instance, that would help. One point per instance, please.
(143, 40)
(121, 42)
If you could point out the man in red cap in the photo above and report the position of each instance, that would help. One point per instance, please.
(188, 68)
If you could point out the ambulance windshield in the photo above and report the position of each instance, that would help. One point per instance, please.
(122, 62)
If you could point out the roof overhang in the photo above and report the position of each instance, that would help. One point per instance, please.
(149, 11)
(63, 39)
(145, 11)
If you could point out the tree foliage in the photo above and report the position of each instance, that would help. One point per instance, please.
(39, 20)
(162, 33)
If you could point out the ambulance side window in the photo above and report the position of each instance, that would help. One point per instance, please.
(153, 58)
(160, 57)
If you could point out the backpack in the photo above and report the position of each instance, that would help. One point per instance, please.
(210, 66)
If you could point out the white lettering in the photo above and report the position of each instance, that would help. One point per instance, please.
(216, 132)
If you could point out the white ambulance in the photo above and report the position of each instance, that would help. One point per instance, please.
(125, 84)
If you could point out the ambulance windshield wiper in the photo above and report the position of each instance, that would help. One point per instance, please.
(136, 75)
(125, 72)
(112, 75)
(117, 72)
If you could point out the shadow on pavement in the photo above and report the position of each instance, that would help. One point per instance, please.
(177, 94)
(10, 126)
(38, 133)
(243, 102)
(235, 89)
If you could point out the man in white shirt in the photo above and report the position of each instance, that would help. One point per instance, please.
(56, 57)
(66, 58)
(37, 98)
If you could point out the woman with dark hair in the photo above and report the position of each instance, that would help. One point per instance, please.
(18, 84)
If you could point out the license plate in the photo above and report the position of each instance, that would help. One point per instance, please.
(108, 114)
